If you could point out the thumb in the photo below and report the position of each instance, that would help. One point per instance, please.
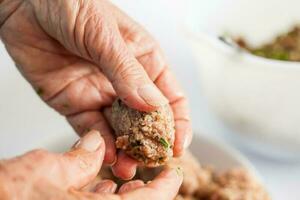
(134, 87)
(107, 49)
(82, 164)
(128, 77)
(103, 43)
(88, 29)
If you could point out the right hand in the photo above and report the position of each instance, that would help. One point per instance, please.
(80, 54)
(41, 175)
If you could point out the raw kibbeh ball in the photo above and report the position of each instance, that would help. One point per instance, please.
(145, 136)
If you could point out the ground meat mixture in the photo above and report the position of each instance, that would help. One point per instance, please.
(194, 174)
(203, 183)
(284, 47)
(146, 136)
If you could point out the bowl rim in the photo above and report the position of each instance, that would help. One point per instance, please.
(201, 36)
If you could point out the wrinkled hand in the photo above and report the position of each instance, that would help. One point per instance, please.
(80, 54)
(42, 175)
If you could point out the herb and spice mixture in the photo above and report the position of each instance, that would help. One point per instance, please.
(146, 136)
(283, 47)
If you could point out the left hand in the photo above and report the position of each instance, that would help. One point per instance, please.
(41, 175)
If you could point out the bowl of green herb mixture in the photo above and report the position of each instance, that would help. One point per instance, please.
(248, 55)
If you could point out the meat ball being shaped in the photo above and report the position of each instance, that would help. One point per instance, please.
(145, 136)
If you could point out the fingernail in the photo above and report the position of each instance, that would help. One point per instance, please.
(152, 96)
(90, 142)
(122, 177)
(113, 162)
(106, 186)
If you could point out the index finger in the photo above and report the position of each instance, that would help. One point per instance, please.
(164, 187)
(169, 86)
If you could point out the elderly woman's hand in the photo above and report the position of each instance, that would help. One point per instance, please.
(80, 54)
(42, 175)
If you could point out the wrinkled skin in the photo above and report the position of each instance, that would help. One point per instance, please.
(43, 175)
(80, 54)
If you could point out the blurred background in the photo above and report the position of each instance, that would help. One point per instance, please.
(251, 103)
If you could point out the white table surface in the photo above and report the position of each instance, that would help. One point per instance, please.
(27, 123)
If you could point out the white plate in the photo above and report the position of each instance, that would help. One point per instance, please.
(209, 151)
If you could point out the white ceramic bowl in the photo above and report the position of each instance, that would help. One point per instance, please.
(259, 98)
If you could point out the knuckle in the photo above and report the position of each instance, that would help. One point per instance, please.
(96, 22)
(94, 32)
(89, 28)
